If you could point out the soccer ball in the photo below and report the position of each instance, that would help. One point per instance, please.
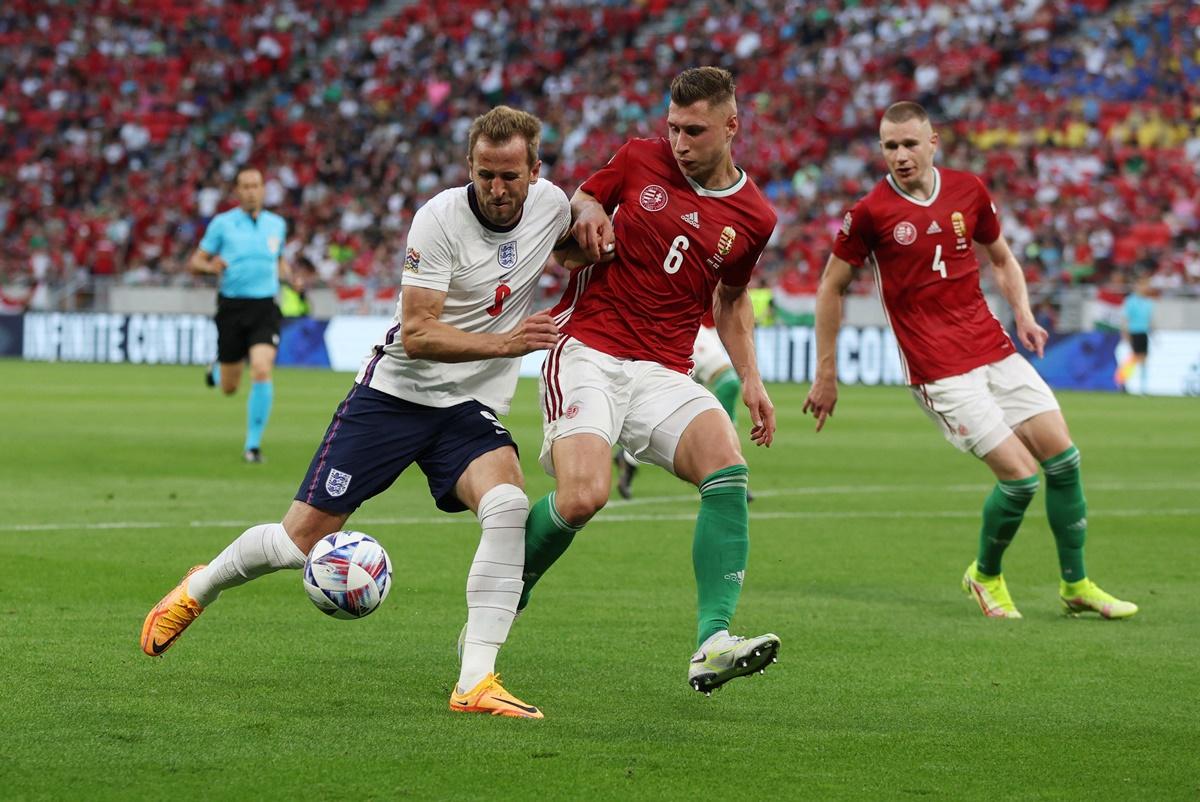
(347, 575)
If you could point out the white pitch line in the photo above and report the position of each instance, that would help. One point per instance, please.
(839, 490)
(604, 517)
(677, 498)
(971, 514)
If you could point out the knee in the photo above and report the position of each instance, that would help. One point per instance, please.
(1062, 468)
(504, 498)
(579, 503)
(719, 459)
(731, 458)
(301, 533)
(260, 373)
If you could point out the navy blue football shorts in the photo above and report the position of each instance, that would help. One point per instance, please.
(374, 437)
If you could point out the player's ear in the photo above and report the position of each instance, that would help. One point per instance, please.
(731, 125)
(534, 171)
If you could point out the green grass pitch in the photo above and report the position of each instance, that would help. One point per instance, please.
(890, 685)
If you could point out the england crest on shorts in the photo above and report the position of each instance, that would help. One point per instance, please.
(337, 482)
(506, 254)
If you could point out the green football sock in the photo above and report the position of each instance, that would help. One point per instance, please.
(727, 387)
(547, 536)
(1002, 514)
(1067, 510)
(719, 548)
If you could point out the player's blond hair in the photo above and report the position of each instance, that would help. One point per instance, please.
(702, 83)
(501, 124)
(904, 111)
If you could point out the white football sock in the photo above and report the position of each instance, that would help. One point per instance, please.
(258, 551)
(494, 584)
(713, 638)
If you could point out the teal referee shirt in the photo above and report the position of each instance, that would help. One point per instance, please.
(251, 249)
(1139, 311)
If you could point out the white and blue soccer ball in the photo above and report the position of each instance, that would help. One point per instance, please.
(347, 575)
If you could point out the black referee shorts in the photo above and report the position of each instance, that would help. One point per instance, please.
(243, 322)
(1140, 342)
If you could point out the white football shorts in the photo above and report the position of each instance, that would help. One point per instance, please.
(978, 410)
(709, 356)
(639, 404)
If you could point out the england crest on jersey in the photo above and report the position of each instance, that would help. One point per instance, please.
(506, 254)
(337, 482)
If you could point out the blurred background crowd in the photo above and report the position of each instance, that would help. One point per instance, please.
(123, 122)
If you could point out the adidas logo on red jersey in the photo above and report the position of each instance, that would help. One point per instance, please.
(691, 218)
(934, 228)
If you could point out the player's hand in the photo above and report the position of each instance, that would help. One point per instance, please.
(762, 412)
(593, 231)
(822, 398)
(213, 267)
(573, 257)
(535, 333)
(1032, 336)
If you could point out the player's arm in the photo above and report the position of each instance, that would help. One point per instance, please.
(822, 396)
(285, 270)
(204, 262)
(570, 255)
(1011, 281)
(734, 315)
(425, 336)
(591, 228)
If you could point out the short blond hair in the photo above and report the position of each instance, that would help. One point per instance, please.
(702, 83)
(906, 110)
(501, 124)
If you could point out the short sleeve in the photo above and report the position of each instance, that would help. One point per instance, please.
(213, 236)
(856, 238)
(562, 223)
(987, 223)
(605, 184)
(428, 257)
(738, 273)
(281, 226)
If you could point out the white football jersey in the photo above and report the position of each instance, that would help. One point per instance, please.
(709, 357)
(490, 277)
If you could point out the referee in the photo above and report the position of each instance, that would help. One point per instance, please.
(244, 247)
(1137, 313)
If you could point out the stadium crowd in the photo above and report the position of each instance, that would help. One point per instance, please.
(122, 128)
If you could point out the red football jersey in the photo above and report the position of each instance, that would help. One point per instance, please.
(675, 241)
(928, 275)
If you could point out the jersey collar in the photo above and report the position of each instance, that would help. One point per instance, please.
(473, 202)
(937, 187)
(717, 193)
(245, 215)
